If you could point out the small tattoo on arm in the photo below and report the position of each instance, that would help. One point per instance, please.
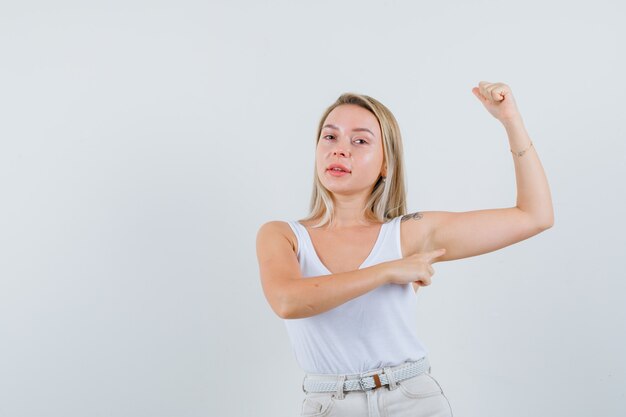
(417, 215)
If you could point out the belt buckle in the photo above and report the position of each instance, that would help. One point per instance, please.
(375, 378)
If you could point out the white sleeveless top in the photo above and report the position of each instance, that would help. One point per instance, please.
(374, 330)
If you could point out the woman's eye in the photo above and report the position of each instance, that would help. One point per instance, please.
(332, 137)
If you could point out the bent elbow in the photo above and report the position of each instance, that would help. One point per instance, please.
(547, 224)
(284, 313)
(297, 312)
(543, 223)
(286, 308)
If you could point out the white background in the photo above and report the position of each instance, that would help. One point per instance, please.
(142, 145)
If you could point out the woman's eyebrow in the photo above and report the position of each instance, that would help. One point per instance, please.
(358, 129)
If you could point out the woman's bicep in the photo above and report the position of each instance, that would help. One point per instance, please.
(278, 264)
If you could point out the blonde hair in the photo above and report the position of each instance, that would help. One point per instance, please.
(388, 198)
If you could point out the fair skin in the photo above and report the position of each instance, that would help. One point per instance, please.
(343, 247)
(361, 151)
(351, 136)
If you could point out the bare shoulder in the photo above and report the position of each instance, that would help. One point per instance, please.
(415, 231)
(277, 229)
(278, 263)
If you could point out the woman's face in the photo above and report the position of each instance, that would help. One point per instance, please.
(350, 137)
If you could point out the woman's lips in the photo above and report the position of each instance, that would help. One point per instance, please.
(335, 173)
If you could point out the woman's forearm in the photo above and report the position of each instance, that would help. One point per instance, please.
(306, 297)
(533, 191)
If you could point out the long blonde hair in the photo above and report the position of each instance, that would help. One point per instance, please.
(388, 197)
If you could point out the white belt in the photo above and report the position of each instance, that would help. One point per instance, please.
(367, 381)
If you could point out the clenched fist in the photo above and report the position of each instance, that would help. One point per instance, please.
(498, 100)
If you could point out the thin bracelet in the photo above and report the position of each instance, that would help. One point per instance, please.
(521, 153)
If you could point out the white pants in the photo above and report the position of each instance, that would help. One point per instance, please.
(419, 396)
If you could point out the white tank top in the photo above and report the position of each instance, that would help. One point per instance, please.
(374, 330)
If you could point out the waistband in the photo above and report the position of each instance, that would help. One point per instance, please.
(364, 381)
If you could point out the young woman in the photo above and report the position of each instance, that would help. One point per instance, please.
(344, 278)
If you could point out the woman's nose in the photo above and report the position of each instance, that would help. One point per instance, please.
(341, 152)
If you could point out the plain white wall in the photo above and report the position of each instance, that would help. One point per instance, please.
(144, 143)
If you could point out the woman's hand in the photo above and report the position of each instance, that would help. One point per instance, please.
(498, 100)
(414, 268)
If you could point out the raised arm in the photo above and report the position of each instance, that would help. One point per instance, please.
(472, 233)
(289, 294)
